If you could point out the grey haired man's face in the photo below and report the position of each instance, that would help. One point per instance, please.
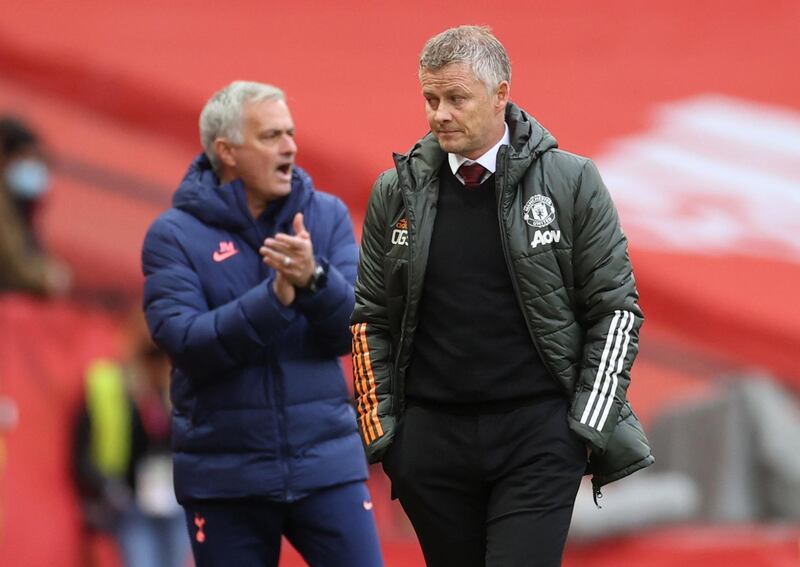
(465, 117)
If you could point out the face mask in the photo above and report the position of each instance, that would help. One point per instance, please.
(27, 178)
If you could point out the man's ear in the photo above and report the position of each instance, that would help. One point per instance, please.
(502, 96)
(224, 152)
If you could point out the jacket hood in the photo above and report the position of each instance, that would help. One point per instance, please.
(201, 195)
(529, 139)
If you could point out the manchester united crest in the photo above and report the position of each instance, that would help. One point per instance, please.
(539, 211)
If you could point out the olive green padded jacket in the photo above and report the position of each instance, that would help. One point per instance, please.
(570, 268)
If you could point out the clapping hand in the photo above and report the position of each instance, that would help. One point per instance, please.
(292, 258)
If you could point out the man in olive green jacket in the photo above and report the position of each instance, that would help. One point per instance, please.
(496, 322)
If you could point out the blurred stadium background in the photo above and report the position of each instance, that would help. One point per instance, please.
(690, 108)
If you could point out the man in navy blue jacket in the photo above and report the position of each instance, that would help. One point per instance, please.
(249, 288)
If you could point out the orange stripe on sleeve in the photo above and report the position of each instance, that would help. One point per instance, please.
(361, 385)
(371, 387)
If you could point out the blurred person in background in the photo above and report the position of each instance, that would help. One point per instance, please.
(496, 322)
(249, 288)
(24, 266)
(24, 182)
(121, 456)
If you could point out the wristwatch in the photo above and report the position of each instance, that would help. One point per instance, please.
(318, 279)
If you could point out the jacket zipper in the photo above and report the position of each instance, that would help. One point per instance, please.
(277, 392)
(274, 389)
(504, 241)
(402, 343)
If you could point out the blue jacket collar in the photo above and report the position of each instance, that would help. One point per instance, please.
(201, 195)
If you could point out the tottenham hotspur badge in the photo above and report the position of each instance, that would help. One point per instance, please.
(539, 211)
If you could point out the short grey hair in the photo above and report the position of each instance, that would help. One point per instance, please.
(222, 114)
(473, 45)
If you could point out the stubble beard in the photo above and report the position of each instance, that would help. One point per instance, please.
(451, 146)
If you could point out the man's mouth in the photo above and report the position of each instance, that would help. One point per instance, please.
(285, 169)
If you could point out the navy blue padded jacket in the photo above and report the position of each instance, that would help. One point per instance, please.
(260, 405)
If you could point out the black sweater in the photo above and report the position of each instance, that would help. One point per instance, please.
(472, 346)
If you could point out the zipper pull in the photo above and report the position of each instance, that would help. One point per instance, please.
(596, 495)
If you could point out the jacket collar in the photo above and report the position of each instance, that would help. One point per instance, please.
(201, 195)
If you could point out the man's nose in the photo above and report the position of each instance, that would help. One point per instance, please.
(442, 113)
(289, 146)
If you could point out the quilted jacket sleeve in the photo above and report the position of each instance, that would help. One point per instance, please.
(372, 350)
(328, 309)
(205, 343)
(608, 307)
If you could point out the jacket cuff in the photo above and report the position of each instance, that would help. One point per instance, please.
(265, 311)
(327, 297)
(596, 440)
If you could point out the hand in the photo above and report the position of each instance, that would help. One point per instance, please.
(291, 256)
(284, 290)
(117, 495)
